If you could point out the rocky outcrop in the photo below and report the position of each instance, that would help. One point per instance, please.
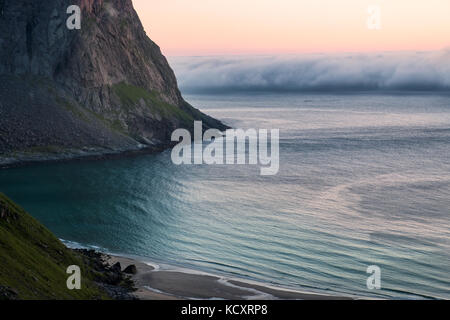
(105, 88)
(7, 293)
(117, 283)
(131, 269)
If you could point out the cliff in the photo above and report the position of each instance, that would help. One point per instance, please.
(105, 88)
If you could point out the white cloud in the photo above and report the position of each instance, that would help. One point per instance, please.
(410, 71)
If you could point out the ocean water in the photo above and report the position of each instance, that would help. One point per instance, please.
(364, 180)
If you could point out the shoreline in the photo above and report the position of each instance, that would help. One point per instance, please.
(156, 284)
(24, 160)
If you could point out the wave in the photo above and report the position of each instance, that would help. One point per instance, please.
(405, 71)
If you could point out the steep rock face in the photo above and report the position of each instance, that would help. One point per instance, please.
(105, 87)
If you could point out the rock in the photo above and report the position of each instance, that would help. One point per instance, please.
(110, 278)
(104, 87)
(131, 269)
(116, 267)
(118, 293)
(7, 293)
(113, 278)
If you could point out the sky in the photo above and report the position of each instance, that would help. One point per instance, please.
(236, 27)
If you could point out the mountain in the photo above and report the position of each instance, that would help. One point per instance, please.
(105, 88)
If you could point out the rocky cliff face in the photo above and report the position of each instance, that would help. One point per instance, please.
(103, 88)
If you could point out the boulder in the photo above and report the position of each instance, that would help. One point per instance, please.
(131, 269)
(116, 267)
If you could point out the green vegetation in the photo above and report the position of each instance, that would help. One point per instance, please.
(63, 102)
(117, 126)
(33, 262)
(76, 111)
(130, 96)
(70, 107)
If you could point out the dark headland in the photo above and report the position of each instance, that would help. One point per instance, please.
(103, 89)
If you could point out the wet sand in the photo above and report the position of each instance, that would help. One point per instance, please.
(175, 285)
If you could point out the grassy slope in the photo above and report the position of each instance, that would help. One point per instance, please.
(33, 261)
(130, 95)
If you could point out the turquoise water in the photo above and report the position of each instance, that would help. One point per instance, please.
(364, 180)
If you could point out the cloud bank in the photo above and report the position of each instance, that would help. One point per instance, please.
(413, 71)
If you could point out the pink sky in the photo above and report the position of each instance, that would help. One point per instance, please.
(208, 27)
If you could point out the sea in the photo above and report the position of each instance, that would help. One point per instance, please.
(364, 180)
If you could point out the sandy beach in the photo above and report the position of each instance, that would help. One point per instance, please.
(153, 284)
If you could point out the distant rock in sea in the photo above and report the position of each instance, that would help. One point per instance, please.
(105, 88)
